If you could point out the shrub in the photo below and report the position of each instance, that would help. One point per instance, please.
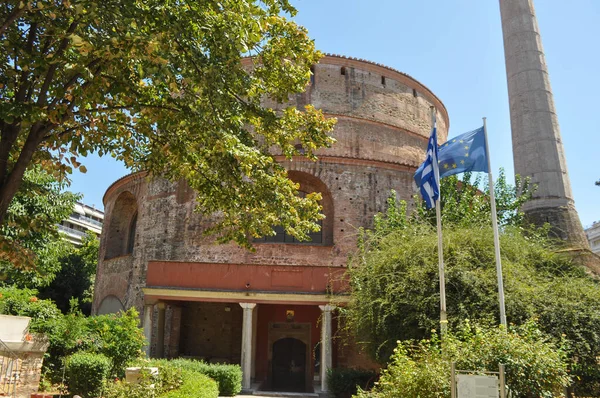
(395, 290)
(343, 383)
(148, 385)
(118, 336)
(535, 367)
(228, 377)
(172, 382)
(194, 385)
(24, 302)
(86, 373)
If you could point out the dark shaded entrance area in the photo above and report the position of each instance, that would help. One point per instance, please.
(211, 332)
(289, 365)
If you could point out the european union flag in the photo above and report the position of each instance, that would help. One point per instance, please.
(463, 153)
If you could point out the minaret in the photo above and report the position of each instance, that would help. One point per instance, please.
(537, 147)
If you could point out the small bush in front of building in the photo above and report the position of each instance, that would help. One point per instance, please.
(194, 385)
(228, 377)
(86, 373)
(148, 385)
(118, 336)
(343, 382)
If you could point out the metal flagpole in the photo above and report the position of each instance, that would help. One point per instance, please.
(438, 216)
(495, 227)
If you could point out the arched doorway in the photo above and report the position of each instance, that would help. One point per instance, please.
(289, 365)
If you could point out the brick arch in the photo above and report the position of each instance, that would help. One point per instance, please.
(310, 183)
(122, 225)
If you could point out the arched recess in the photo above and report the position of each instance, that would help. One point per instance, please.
(110, 305)
(122, 225)
(308, 184)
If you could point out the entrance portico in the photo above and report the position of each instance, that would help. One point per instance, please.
(281, 337)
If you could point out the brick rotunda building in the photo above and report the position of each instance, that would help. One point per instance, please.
(272, 311)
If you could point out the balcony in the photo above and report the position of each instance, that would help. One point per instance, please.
(86, 219)
(71, 231)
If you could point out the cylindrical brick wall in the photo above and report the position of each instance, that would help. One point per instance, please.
(383, 125)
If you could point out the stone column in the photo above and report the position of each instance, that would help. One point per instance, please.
(326, 344)
(148, 309)
(537, 145)
(160, 331)
(247, 345)
(254, 335)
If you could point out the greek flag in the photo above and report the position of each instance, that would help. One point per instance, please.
(427, 175)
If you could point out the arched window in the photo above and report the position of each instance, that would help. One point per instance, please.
(121, 226)
(316, 238)
(131, 237)
(308, 183)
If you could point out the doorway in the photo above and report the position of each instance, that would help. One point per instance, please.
(289, 365)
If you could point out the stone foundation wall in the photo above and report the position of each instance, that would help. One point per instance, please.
(564, 222)
(25, 375)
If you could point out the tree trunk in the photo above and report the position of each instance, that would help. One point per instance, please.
(13, 180)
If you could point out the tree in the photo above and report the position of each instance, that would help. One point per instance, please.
(30, 245)
(465, 203)
(161, 86)
(75, 279)
(394, 279)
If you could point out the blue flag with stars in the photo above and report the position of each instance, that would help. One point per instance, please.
(463, 154)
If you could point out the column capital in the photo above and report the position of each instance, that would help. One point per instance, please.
(327, 308)
(161, 305)
(247, 306)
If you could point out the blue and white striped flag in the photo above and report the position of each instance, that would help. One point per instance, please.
(427, 175)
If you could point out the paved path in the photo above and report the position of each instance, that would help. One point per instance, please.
(271, 396)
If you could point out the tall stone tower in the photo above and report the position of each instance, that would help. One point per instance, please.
(537, 146)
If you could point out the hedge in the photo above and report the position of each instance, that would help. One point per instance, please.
(194, 385)
(86, 373)
(343, 382)
(228, 377)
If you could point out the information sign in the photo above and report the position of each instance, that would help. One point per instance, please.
(470, 386)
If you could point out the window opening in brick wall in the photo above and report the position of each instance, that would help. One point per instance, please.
(121, 226)
(383, 80)
(343, 71)
(281, 236)
(131, 237)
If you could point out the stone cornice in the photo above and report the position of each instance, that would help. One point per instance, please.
(363, 64)
(126, 179)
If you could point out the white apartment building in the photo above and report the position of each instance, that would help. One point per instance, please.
(84, 218)
(593, 235)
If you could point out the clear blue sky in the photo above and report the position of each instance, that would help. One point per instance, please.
(455, 48)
